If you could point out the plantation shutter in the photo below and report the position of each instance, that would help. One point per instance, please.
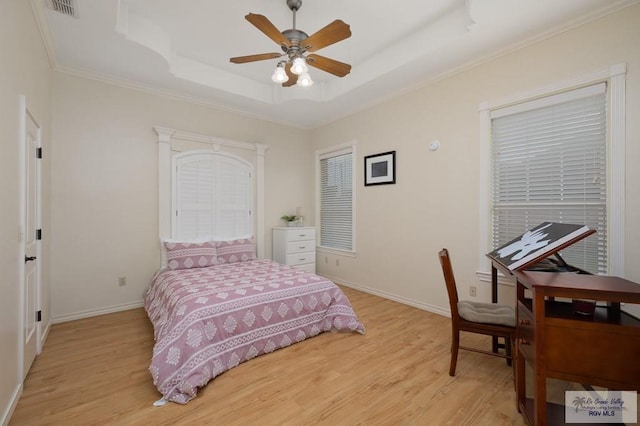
(336, 195)
(549, 164)
(194, 198)
(213, 197)
(234, 199)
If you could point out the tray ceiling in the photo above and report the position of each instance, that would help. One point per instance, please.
(182, 48)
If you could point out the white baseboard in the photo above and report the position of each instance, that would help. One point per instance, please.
(96, 312)
(390, 296)
(9, 409)
(356, 286)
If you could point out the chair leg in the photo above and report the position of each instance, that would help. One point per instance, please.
(507, 346)
(455, 344)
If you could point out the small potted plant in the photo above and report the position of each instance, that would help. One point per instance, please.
(290, 220)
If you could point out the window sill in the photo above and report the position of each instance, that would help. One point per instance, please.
(337, 252)
(486, 277)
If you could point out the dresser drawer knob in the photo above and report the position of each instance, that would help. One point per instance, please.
(524, 342)
(525, 322)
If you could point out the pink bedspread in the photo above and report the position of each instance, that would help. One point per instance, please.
(209, 320)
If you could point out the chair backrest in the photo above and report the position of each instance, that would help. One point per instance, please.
(450, 281)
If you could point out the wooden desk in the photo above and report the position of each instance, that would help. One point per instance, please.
(601, 350)
(542, 254)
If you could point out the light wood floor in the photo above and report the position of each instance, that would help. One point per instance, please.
(94, 372)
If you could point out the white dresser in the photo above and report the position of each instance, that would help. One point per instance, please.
(295, 247)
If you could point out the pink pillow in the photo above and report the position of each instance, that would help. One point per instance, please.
(240, 250)
(190, 255)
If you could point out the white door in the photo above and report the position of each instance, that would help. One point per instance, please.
(31, 226)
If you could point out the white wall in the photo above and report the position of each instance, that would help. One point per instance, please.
(24, 70)
(434, 204)
(105, 186)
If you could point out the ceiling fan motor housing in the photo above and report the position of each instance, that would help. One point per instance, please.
(295, 37)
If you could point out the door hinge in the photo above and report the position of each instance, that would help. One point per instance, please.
(39, 152)
(38, 234)
(38, 316)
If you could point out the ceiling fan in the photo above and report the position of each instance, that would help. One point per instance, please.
(296, 44)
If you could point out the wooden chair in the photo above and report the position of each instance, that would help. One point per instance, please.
(490, 319)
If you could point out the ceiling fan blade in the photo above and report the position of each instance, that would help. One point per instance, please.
(293, 78)
(332, 33)
(331, 66)
(270, 30)
(252, 58)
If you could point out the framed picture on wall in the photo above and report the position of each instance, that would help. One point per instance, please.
(380, 169)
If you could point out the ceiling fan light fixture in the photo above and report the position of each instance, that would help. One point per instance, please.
(299, 66)
(304, 80)
(279, 75)
(293, 68)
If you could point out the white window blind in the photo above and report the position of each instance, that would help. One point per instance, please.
(213, 197)
(549, 164)
(336, 200)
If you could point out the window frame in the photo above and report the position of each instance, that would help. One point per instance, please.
(319, 155)
(614, 76)
(170, 142)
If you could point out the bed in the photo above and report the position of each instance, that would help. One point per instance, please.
(215, 305)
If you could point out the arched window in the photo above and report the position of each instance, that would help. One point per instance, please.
(212, 196)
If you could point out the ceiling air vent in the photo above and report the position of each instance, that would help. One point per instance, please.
(65, 7)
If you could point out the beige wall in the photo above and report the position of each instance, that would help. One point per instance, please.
(105, 186)
(100, 173)
(105, 173)
(434, 204)
(24, 70)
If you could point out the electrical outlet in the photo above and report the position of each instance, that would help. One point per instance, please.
(122, 281)
(473, 291)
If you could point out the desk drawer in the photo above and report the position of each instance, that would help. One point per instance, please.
(605, 355)
(525, 332)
